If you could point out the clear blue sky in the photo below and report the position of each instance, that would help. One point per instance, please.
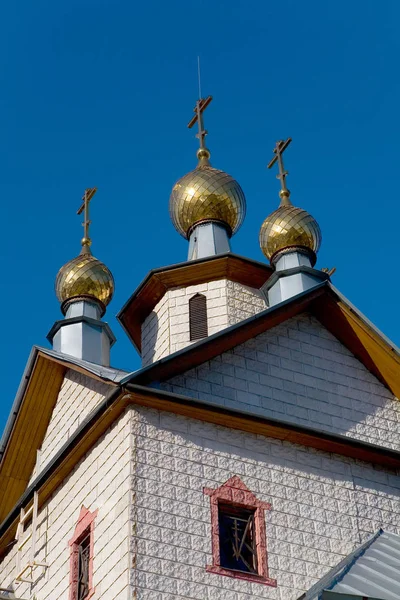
(99, 92)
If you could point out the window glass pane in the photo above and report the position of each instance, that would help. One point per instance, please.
(237, 539)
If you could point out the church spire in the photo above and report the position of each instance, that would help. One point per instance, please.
(85, 276)
(84, 287)
(288, 228)
(290, 238)
(207, 206)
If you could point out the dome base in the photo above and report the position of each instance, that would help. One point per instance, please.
(83, 305)
(84, 338)
(208, 238)
(296, 255)
(293, 275)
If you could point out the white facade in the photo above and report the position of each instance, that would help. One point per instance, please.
(323, 506)
(78, 396)
(166, 329)
(146, 476)
(101, 481)
(152, 533)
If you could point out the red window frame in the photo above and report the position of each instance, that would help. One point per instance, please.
(84, 525)
(235, 493)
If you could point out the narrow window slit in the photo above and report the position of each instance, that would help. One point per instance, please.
(83, 567)
(198, 317)
(81, 557)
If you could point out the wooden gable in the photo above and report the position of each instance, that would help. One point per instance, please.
(30, 426)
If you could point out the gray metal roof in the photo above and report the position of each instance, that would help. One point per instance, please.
(371, 571)
(108, 373)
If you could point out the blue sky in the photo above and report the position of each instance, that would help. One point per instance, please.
(99, 92)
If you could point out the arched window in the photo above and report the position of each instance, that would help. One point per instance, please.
(198, 317)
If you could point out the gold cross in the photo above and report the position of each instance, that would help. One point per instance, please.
(198, 110)
(86, 198)
(278, 151)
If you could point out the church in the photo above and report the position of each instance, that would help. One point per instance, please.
(254, 455)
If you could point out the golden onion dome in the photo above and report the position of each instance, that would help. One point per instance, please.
(206, 194)
(289, 227)
(85, 276)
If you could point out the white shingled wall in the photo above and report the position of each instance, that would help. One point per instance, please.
(323, 506)
(146, 476)
(166, 329)
(299, 372)
(78, 396)
(101, 481)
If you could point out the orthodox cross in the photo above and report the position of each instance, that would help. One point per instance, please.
(278, 151)
(86, 198)
(198, 110)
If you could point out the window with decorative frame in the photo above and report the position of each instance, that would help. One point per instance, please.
(198, 326)
(81, 557)
(239, 547)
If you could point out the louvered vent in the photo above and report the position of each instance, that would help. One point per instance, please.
(198, 317)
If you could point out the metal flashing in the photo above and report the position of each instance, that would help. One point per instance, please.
(18, 399)
(81, 319)
(294, 271)
(107, 373)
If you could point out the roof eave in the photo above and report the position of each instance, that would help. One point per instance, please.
(185, 264)
(158, 281)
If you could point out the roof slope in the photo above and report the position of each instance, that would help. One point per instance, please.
(378, 354)
(371, 571)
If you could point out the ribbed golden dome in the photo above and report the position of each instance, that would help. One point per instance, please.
(206, 194)
(85, 276)
(287, 227)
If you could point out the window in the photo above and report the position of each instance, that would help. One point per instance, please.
(198, 317)
(81, 557)
(238, 533)
(83, 567)
(237, 538)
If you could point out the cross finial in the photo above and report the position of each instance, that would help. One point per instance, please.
(87, 196)
(279, 149)
(198, 110)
